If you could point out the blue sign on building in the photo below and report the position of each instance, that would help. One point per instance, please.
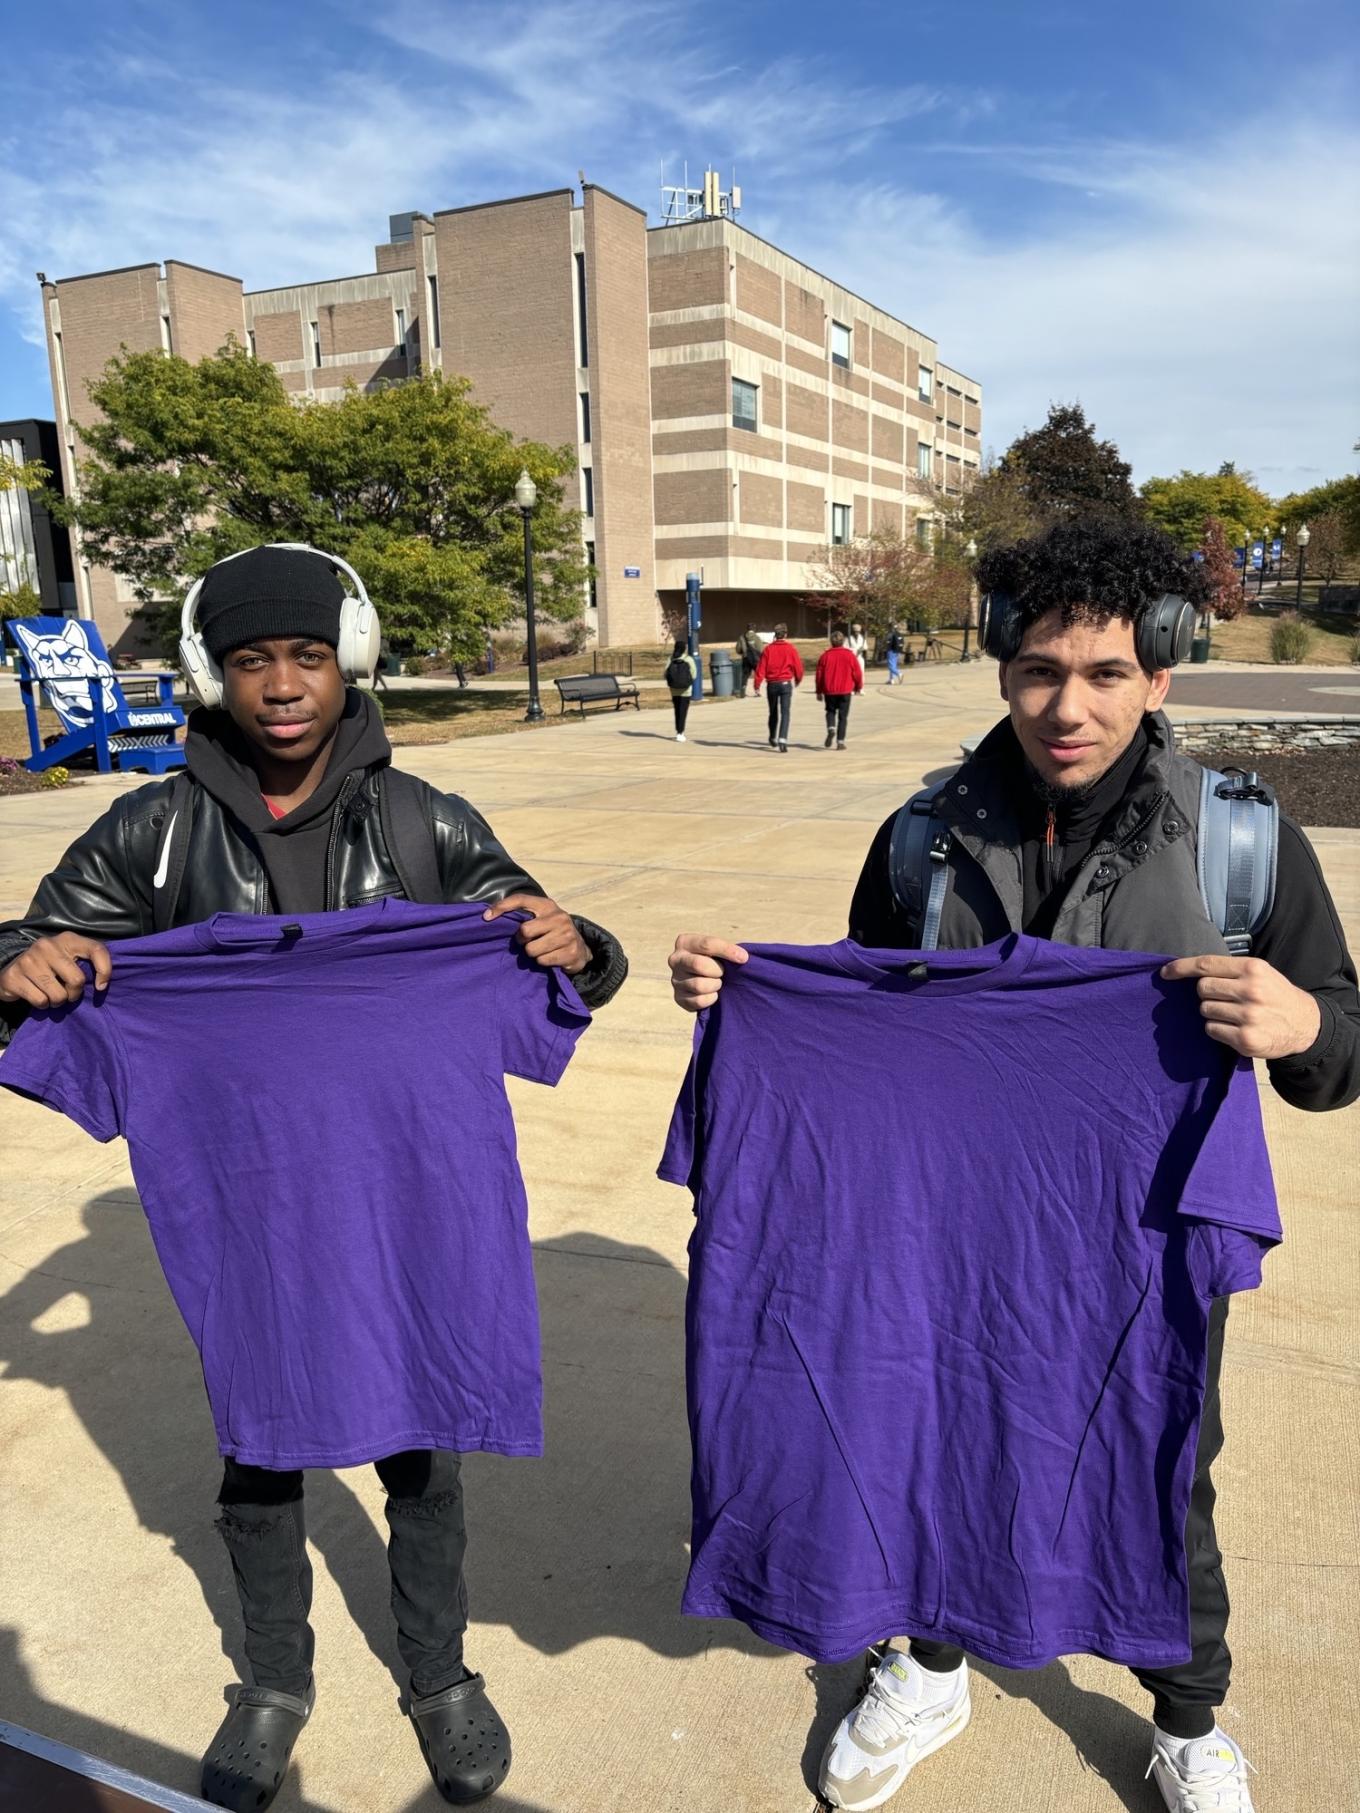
(632, 572)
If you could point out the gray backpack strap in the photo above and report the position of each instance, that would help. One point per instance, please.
(1239, 825)
(408, 831)
(172, 852)
(918, 865)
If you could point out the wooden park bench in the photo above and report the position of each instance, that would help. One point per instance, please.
(596, 689)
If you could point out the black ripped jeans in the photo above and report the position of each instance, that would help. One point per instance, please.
(263, 1527)
(1185, 1695)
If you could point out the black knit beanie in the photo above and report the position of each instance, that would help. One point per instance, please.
(269, 592)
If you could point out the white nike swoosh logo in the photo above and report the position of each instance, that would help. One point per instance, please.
(163, 868)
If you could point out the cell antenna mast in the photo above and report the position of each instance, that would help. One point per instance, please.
(680, 203)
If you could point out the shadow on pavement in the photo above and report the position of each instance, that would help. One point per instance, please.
(1110, 1739)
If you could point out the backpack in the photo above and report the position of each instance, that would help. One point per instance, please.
(403, 811)
(1239, 823)
(679, 674)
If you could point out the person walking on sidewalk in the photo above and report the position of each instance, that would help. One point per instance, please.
(1078, 820)
(748, 649)
(682, 670)
(893, 649)
(779, 670)
(839, 677)
(858, 644)
(284, 807)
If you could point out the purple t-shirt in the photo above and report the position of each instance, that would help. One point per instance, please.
(957, 1238)
(319, 1131)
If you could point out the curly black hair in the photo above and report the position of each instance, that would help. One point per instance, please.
(1091, 567)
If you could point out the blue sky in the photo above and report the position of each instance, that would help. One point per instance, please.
(1154, 208)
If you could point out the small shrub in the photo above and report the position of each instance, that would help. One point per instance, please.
(415, 665)
(8, 765)
(1290, 641)
(575, 636)
(55, 777)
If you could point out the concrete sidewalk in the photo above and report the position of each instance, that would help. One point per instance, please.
(121, 1624)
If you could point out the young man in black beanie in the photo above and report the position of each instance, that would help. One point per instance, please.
(290, 807)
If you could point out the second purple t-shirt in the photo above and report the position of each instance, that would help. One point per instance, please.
(960, 1220)
(319, 1131)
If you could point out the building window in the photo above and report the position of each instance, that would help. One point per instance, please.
(588, 482)
(923, 530)
(316, 344)
(250, 341)
(581, 307)
(744, 398)
(840, 344)
(585, 418)
(166, 341)
(433, 282)
(922, 460)
(590, 562)
(926, 387)
(399, 316)
(840, 525)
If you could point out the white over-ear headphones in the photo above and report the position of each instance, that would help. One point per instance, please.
(356, 652)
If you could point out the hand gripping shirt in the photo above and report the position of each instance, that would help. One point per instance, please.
(948, 1382)
(316, 1116)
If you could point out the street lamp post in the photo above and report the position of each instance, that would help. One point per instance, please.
(971, 550)
(1302, 538)
(526, 496)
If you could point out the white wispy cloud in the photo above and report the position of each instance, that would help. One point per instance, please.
(1200, 297)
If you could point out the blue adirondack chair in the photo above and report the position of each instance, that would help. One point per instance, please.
(65, 659)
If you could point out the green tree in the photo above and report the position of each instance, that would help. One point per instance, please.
(1062, 470)
(994, 509)
(1340, 496)
(1181, 505)
(412, 484)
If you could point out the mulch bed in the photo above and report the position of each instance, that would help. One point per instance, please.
(21, 781)
(1314, 786)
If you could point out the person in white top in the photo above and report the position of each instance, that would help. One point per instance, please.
(858, 644)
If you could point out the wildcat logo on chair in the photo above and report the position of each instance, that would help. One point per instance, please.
(66, 664)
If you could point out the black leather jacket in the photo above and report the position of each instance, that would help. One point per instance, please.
(103, 885)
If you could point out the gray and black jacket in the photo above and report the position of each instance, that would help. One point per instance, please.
(1135, 888)
(332, 853)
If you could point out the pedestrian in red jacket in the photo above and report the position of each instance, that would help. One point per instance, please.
(839, 677)
(781, 665)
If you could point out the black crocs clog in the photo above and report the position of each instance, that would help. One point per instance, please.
(463, 1740)
(248, 1759)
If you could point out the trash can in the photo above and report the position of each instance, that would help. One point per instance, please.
(1199, 651)
(720, 669)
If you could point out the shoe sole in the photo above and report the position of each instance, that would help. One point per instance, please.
(900, 1775)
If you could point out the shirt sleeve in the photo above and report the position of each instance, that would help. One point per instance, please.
(69, 1059)
(1227, 1189)
(683, 1155)
(542, 1017)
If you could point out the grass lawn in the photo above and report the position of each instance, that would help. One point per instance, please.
(1247, 638)
(439, 715)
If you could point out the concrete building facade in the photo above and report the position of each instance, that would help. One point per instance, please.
(731, 410)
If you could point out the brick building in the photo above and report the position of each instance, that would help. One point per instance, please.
(732, 410)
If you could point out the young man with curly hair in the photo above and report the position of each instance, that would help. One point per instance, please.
(1076, 820)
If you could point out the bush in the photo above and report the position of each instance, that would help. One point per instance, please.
(8, 765)
(1290, 641)
(575, 635)
(415, 665)
(55, 777)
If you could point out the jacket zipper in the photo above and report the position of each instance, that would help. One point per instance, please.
(346, 794)
(1143, 823)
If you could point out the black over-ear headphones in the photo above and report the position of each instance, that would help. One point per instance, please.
(1162, 637)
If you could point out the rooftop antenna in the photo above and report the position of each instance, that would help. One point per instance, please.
(680, 203)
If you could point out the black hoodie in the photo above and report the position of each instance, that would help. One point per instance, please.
(293, 848)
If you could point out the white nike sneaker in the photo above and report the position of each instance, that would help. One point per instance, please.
(1208, 1775)
(897, 1723)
